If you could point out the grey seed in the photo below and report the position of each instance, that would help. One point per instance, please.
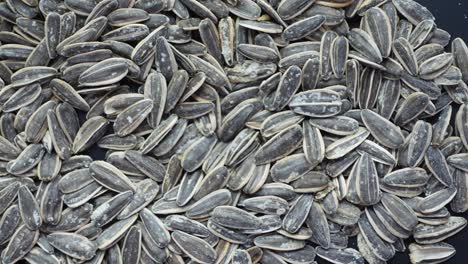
(155, 228)
(428, 234)
(437, 200)
(131, 117)
(146, 191)
(51, 203)
(388, 98)
(38, 255)
(194, 156)
(326, 53)
(382, 130)
(111, 234)
(144, 49)
(82, 195)
(413, 105)
(290, 137)
(408, 177)
(196, 248)
(214, 76)
(347, 214)
(317, 222)
(460, 123)
(214, 180)
(72, 219)
(175, 89)
(413, 11)
(310, 74)
(29, 208)
(10, 220)
(382, 250)
(34, 28)
(149, 166)
(434, 252)
(110, 177)
(127, 33)
(266, 205)
(400, 212)
(437, 164)
(232, 217)
(114, 142)
(340, 256)
(435, 66)
(339, 125)
(114, 255)
(124, 16)
(278, 242)
(75, 162)
(316, 103)
(279, 121)
(89, 133)
(291, 168)
(52, 33)
(336, 167)
(188, 187)
(303, 28)
(428, 51)
(8, 195)
(304, 255)
(460, 53)
(59, 140)
(342, 146)
(75, 180)
(180, 8)
(202, 207)
(22, 241)
(380, 29)
(405, 55)
(363, 43)
(73, 245)
(422, 33)
(36, 125)
(107, 211)
(313, 145)
(32, 74)
(291, 9)
(155, 88)
(67, 93)
(379, 227)
(26, 160)
(312, 181)
(164, 59)
(297, 213)
(368, 187)
(370, 85)
(258, 53)
(334, 16)
(246, 9)
(376, 152)
(22, 97)
(106, 72)
(416, 144)
(458, 161)
(339, 55)
(131, 248)
(241, 257)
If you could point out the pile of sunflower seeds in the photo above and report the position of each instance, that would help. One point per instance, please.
(235, 131)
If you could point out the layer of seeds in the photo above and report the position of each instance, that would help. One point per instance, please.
(230, 131)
